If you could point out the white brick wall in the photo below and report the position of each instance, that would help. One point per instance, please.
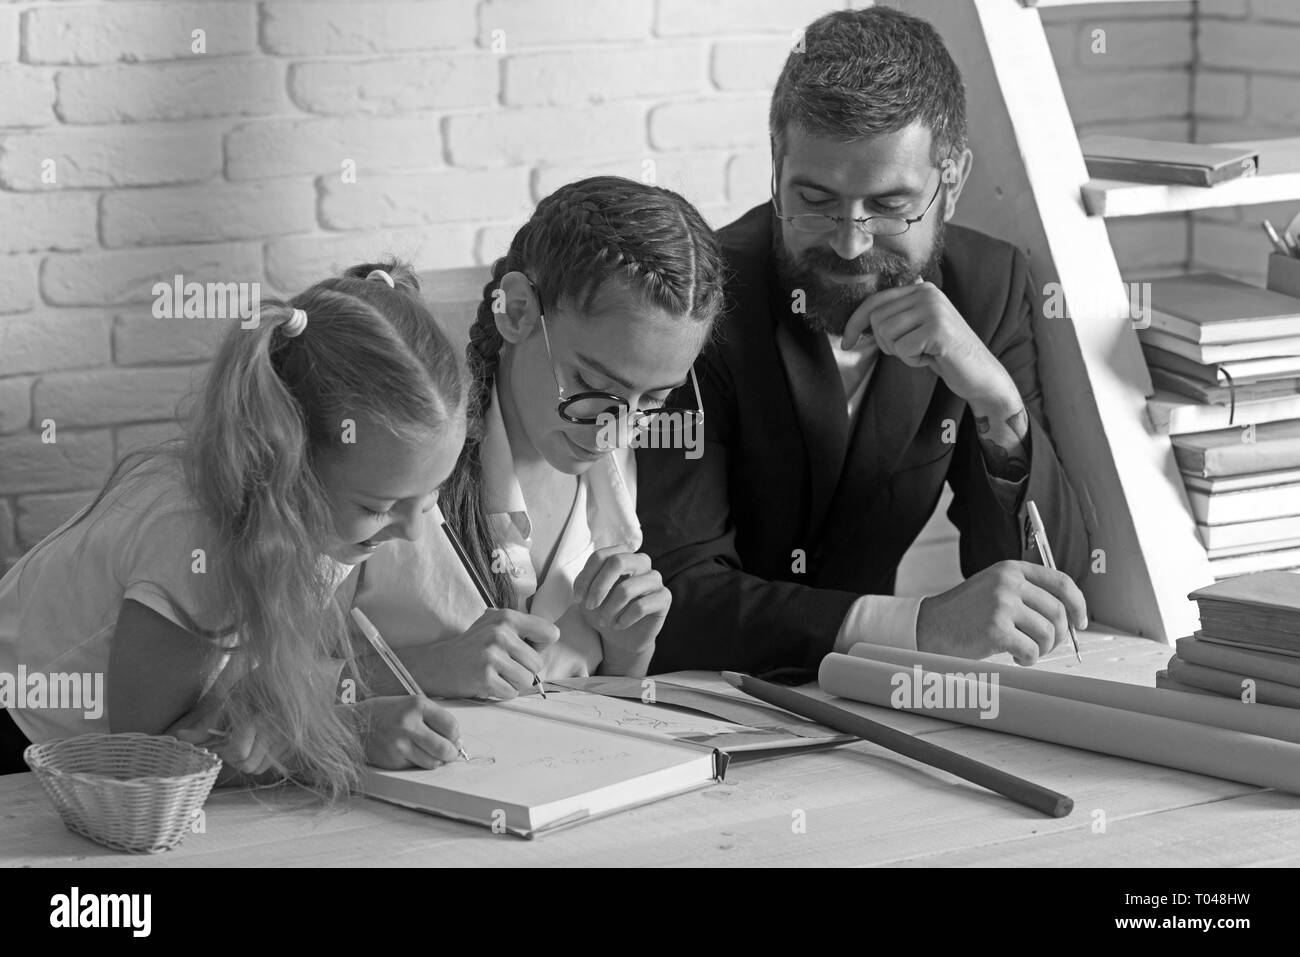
(36, 223)
(134, 32)
(1248, 87)
(173, 91)
(515, 137)
(592, 75)
(316, 29)
(127, 276)
(523, 23)
(409, 199)
(396, 84)
(457, 116)
(207, 213)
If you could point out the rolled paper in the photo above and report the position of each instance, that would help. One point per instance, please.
(1267, 720)
(1168, 742)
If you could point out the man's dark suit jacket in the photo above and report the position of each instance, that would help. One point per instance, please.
(782, 471)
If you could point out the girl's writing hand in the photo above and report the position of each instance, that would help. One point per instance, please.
(400, 731)
(494, 658)
(622, 598)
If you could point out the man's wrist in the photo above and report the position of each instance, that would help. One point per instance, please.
(999, 406)
(1005, 446)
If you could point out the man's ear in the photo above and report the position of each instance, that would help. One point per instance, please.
(955, 173)
(516, 307)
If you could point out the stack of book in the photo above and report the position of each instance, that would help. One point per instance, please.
(1249, 643)
(1244, 489)
(1224, 357)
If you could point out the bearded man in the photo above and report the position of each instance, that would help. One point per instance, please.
(871, 352)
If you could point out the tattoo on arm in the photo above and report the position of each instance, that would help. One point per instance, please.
(1006, 447)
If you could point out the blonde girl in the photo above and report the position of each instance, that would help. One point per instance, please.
(201, 582)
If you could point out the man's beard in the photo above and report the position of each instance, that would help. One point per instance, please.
(828, 304)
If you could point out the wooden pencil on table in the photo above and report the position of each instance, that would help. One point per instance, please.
(1017, 789)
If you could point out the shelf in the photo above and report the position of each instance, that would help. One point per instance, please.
(1277, 181)
(1080, 3)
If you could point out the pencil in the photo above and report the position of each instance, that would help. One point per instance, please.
(404, 677)
(479, 583)
(1017, 789)
(1045, 550)
(1275, 239)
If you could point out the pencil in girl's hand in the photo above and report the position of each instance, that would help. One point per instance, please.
(404, 677)
(394, 663)
(478, 581)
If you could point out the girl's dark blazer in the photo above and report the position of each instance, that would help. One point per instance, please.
(790, 515)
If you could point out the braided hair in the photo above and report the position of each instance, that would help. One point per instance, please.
(584, 235)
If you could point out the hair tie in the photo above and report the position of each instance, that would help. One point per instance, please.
(295, 324)
(382, 275)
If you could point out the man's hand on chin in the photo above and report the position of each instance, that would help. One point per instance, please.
(921, 327)
(1013, 606)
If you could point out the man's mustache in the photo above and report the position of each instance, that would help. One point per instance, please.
(885, 265)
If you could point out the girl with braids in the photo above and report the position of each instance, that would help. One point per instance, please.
(601, 304)
(321, 435)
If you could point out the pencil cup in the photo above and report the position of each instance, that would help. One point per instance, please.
(1284, 274)
(130, 792)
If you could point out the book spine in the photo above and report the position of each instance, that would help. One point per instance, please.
(1227, 508)
(1270, 533)
(1232, 685)
(1169, 684)
(1179, 417)
(1146, 172)
(1251, 664)
(1249, 457)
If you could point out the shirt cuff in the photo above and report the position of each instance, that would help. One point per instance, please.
(880, 620)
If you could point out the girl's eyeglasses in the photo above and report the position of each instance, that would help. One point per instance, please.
(602, 408)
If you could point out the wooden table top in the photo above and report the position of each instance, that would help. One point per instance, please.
(860, 805)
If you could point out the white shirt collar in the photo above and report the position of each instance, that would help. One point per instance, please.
(602, 514)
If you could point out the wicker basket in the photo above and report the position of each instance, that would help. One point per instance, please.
(130, 792)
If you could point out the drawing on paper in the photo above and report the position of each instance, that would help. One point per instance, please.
(478, 749)
(625, 714)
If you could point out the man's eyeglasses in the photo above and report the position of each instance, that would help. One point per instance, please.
(821, 223)
(602, 408)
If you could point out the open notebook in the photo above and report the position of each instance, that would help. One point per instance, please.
(540, 764)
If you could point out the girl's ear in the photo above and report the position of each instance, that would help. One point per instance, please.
(516, 309)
